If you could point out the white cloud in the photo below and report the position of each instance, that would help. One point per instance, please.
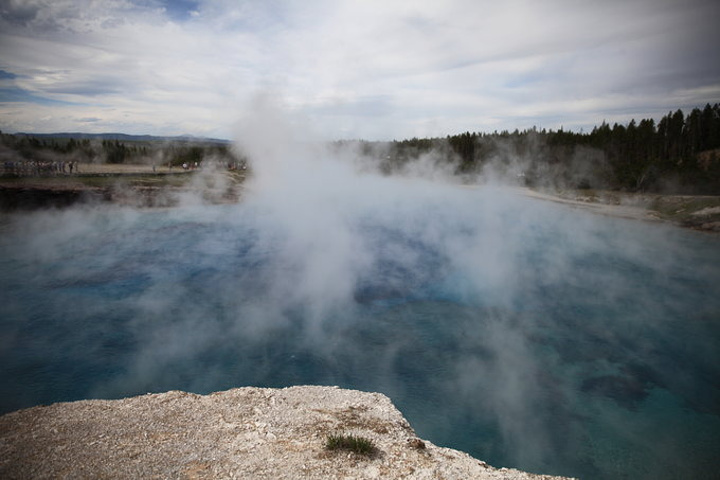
(377, 69)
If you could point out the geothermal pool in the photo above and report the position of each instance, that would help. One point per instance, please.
(528, 334)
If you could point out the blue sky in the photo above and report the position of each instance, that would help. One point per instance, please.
(352, 69)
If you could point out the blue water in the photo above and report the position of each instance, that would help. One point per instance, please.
(528, 334)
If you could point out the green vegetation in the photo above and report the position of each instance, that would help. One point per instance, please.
(679, 154)
(106, 181)
(148, 150)
(686, 210)
(351, 443)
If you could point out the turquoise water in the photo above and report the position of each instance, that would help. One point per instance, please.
(527, 334)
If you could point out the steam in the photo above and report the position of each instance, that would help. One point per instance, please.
(330, 272)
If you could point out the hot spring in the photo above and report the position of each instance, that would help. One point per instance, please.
(528, 334)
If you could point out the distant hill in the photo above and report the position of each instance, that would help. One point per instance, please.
(125, 137)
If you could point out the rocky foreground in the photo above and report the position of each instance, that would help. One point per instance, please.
(240, 433)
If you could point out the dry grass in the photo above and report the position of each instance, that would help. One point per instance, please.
(114, 169)
(351, 443)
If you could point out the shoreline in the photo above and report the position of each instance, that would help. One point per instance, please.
(139, 186)
(622, 211)
(129, 185)
(695, 212)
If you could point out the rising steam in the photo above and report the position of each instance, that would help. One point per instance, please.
(476, 309)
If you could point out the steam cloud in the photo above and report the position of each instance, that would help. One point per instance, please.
(527, 321)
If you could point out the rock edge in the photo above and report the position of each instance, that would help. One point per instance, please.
(240, 433)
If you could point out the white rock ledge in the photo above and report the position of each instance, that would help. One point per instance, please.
(239, 433)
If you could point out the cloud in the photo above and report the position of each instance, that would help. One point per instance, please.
(14, 94)
(378, 70)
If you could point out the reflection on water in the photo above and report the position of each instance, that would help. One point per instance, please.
(529, 335)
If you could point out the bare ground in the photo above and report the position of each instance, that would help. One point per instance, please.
(141, 185)
(699, 212)
(240, 433)
(133, 185)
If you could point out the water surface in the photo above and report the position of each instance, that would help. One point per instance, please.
(527, 334)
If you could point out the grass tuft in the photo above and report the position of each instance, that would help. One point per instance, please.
(352, 443)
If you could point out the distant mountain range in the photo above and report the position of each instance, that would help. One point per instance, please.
(125, 137)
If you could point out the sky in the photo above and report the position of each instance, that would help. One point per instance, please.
(374, 69)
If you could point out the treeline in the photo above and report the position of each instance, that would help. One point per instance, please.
(681, 153)
(27, 148)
